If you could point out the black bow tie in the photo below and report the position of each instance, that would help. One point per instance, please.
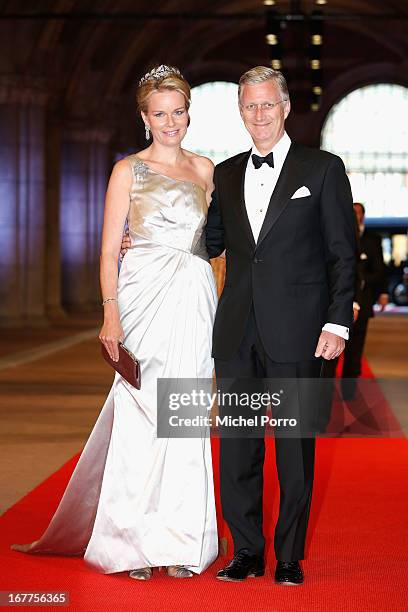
(258, 161)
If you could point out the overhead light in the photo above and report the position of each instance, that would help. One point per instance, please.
(269, 2)
(314, 107)
(317, 90)
(276, 64)
(271, 39)
(321, 1)
(316, 39)
(315, 64)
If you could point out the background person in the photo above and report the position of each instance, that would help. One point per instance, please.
(373, 277)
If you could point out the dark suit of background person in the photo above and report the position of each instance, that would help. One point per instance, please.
(279, 292)
(329, 367)
(372, 272)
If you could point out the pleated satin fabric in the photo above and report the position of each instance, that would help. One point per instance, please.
(135, 500)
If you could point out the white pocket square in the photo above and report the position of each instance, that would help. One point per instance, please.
(302, 192)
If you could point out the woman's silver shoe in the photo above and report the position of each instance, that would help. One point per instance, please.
(144, 573)
(179, 571)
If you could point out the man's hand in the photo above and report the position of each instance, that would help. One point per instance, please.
(125, 245)
(330, 346)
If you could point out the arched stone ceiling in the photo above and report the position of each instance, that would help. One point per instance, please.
(91, 65)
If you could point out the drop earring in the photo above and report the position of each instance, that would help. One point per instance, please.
(147, 132)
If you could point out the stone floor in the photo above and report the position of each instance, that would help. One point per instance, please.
(53, 383)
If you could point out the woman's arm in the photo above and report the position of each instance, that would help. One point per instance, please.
(208, 175)
(214, 228)
(116, 210)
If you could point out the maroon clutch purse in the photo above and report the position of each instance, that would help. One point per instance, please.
(127, 366)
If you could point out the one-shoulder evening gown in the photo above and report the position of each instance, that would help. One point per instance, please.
(135, 500)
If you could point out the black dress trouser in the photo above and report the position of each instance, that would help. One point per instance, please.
(242, 459)
(353, 353)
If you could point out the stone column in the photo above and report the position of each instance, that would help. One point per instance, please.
(84, 163)
(52, 235)
(22, 204)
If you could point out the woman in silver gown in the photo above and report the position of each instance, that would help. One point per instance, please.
(136, 501)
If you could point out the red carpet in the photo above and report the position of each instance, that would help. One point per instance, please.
(356, 557)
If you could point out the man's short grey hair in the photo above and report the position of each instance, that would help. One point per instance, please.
(260, 74)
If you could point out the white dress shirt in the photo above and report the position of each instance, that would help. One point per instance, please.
(258, 187)
(260, 183)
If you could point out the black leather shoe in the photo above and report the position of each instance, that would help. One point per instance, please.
(243, 565)
(288, 572)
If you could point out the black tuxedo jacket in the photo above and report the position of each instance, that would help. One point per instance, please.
(372, 272)
(301, 272)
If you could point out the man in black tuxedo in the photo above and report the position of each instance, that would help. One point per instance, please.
(283, 213)
(372, 275)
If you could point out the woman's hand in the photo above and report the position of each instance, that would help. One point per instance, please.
(111, 334)
(125, 246)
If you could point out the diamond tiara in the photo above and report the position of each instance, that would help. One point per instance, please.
(160, 72)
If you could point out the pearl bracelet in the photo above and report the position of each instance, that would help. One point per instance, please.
(106, 300)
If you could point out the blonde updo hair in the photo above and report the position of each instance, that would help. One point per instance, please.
(161, 78)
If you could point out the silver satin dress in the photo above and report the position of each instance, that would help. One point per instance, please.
(135, 500)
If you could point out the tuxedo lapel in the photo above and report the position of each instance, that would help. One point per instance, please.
(236, 193)
(292, 175)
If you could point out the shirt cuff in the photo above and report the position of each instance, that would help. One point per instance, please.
(339, 330)
(356, 306)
